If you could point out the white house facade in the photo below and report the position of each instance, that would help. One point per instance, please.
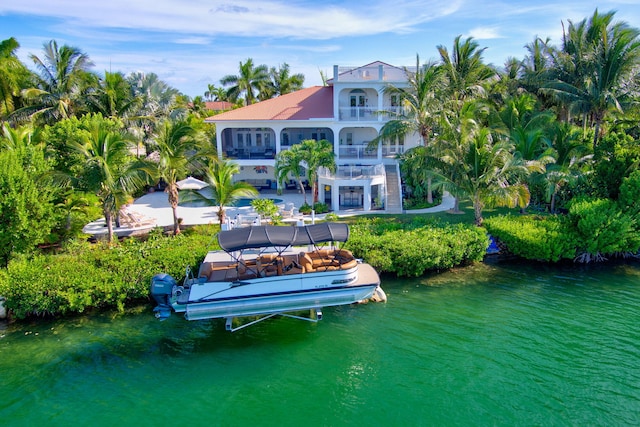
(349, 112)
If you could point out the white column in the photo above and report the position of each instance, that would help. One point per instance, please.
(367, 196)
(335, 197)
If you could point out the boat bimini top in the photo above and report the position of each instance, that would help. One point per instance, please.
(264, 236)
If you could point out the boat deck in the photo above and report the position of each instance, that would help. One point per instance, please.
(221, 267)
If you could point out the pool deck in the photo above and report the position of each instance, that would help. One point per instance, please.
(155, 207)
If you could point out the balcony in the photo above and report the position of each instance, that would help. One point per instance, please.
(353, 171)
(368, 114)
(250, 153)
(359, 151)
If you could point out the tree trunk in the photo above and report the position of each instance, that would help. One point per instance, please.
(302, 190)
(429, 191)
(477, 210)
(456, 205)
(107, 218)
(221, 215)
(172, 190)
(553, 203)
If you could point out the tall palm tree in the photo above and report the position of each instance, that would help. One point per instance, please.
(317, 154)
(420, 106)
(480, 166)
(156, 104)
(289, 163)
(225, 191)
(13, 75)
(247, 83)
(572, 161)
(113, 97)
(215, 93)
(175, 143)
(109, 171)
(600, 56)
(62, 74)
(281, 82)
(464, 70)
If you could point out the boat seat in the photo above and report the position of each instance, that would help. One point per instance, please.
(306, 262)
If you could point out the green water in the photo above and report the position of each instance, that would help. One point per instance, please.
(487, 345)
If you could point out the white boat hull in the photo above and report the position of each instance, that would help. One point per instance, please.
(279, 303)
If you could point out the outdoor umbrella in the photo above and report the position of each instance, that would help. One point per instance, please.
(191, 183)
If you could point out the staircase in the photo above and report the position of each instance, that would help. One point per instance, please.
(394, 198)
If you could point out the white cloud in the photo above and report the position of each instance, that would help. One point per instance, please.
(485, 33)
(269, 18)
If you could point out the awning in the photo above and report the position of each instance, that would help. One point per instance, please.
(271, 235)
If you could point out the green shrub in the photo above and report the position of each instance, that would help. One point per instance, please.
(305, 209)
(532, 237)
(320, 208)
(97, 276)
(416, 249)
(602, 229)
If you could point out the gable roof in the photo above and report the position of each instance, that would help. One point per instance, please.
(315, 102)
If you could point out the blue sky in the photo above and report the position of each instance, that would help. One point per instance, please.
(193, 43)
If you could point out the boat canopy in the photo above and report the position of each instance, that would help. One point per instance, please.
(272, 235)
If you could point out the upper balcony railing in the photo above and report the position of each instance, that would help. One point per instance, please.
(357, 151)
(373, 73)
(353, 171)
(368, 114)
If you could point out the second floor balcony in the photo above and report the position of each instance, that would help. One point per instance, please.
(368, 114)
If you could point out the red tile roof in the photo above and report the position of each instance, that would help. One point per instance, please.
(218, 105)
(311, 103)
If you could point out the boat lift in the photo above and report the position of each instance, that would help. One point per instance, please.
(315, 315)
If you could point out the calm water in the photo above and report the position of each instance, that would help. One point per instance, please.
(487, 345)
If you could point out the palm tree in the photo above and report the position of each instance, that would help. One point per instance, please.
(599, 57)
(571, 161)
(176, 144)
(109, 170)
(156, 103)
(225, 191)
(63, 73)
(289, 163)
(317, 154)
(215, 93)
(13, 75)
(113, 97)
(464, 70)
(282, 82)
(480, 166)
(250, 80)
(420, 106)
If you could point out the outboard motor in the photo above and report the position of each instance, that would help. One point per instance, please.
(162, 288)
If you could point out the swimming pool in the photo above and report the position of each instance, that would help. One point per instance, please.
(199, 203)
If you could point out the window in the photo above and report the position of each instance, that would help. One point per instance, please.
(258, 139)
(240, 140)
(285, 139)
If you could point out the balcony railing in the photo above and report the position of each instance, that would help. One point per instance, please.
(359, 151)
(392, 150)
(250, 153)
(368, 114)
(353, 171)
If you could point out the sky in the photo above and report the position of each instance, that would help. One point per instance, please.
(191, 44)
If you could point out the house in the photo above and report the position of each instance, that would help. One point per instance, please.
(349, 112)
